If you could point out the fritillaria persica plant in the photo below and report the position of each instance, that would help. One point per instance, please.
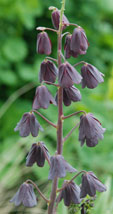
(90, 129)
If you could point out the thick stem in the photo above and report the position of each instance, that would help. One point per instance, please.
(60, 113)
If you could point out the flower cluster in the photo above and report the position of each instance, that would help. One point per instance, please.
(90, 129)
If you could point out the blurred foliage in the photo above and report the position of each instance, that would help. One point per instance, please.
(19, 66)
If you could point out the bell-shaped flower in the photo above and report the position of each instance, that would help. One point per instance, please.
(79, 42)
(70, 193)
(37, 154)
(56, 19)
(28, 124)
(25, 195)
(48, 71)
(90, 184)
(43, 98)
(91, 76)
(43, 43)
(68, 75)
(59, 167)
(67, 50)
(71, 94)
(90, 130)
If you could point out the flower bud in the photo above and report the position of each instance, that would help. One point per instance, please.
(68, 75)
(91, 76)
(43, 44)
(48, 71)
(56, 19)
(25, 195)
(90, 184)
(79, 42)
(43, 98)
(90, 130)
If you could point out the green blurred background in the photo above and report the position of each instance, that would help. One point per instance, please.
(19, 67)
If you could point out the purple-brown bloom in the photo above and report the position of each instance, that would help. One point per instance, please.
(25, 195)
(90, 130)
(90, 184)
(91, 76)
(48, 71)
(68, 75)
(71, 94)
(56, 19)
(28, 124)
(37, 154)
(67, 50)
(43, 98)
(43, 44)
(70, 193)
(79, 42)
(59, 167)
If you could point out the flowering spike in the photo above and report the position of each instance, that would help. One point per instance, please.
(43, 44)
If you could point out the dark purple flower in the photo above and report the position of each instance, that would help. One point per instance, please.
(90, 130)
(48, 71)
(70, 94)
(79, 42)
(37, 154)
(68, 75)
(59, 167)
(43, 43)
(90, 184)
(67, 50)
(28, 124)
(56, 19)
(70, 193)
(43, 98)
(91, 76)
(25, 195)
